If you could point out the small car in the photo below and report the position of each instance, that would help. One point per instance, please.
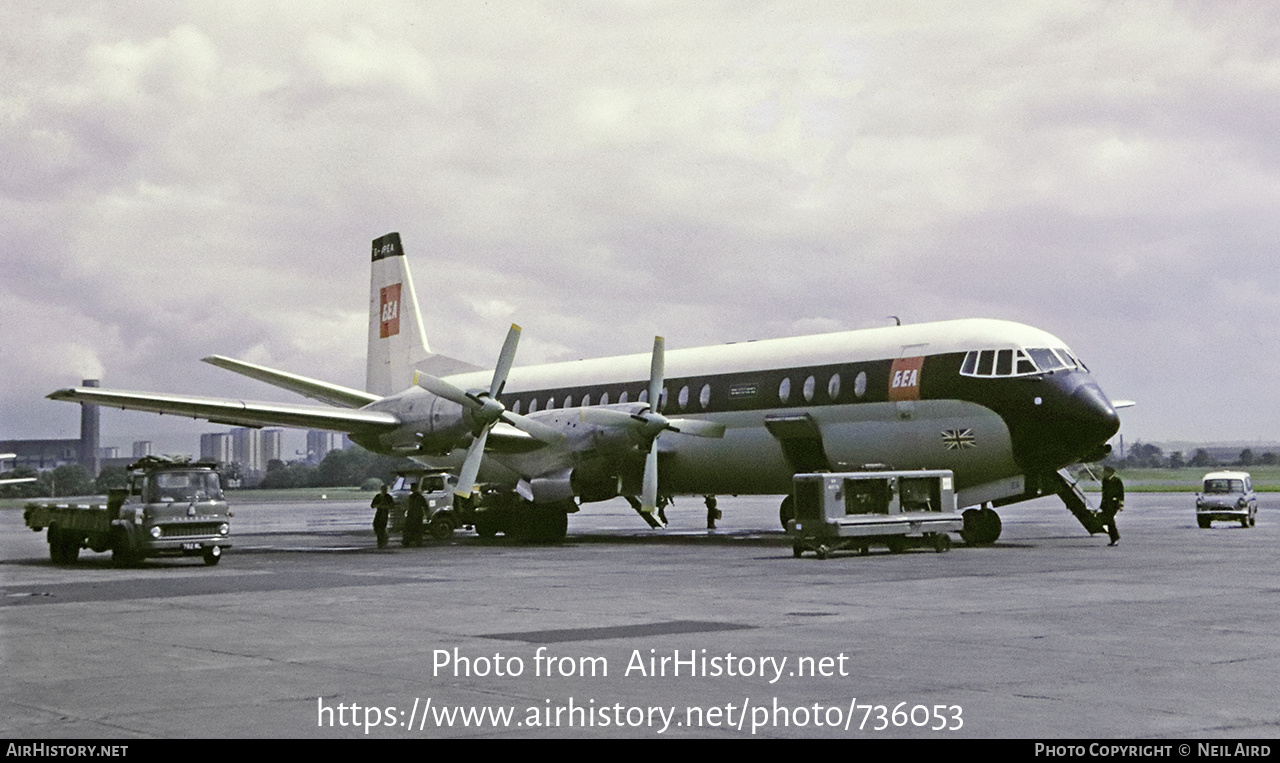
(1227, 496)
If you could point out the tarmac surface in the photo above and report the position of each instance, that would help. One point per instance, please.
(307, 630)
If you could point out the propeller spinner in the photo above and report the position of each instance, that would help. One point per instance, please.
(650, 424)
(486, 411)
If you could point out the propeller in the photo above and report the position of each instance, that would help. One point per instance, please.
(486, 411)
(649, 423)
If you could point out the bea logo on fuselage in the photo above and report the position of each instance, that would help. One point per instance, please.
(910, 378)
(904, 379)
(389, 323)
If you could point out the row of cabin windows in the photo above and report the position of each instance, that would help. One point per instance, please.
(1019, 362)
(809, 390)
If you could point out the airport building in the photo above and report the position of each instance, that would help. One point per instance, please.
(43, 455)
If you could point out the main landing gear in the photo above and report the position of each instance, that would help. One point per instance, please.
(981, 526)
(526, 522)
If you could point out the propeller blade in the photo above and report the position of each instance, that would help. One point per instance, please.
(471, 466)
(547, 434)
(649, 496)
(656, 370)
(505, 359)
(696, 427)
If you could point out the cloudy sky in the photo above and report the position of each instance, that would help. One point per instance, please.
(185, 178)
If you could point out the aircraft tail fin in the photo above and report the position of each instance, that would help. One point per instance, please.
(397, 340)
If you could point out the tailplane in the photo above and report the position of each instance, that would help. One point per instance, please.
(397, 339)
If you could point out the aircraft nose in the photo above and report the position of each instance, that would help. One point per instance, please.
(1095, 418)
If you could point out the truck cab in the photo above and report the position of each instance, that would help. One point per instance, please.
(437, 488)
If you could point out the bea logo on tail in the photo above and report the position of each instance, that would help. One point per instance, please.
(390, 321)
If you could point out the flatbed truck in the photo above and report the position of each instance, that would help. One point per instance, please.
(171, 507)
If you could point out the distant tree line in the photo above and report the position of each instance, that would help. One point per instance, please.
(351, 467)
(1148, 456)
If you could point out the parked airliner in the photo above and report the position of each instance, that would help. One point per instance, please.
(1003, 405)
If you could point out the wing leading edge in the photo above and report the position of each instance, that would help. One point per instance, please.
(236, 412)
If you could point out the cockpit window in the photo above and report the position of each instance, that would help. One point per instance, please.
(1018, 362)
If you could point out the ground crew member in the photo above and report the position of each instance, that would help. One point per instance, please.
(382, 505)
(415, 513)
(712, 512)
(1112, 502)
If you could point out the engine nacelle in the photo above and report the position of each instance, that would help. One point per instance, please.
(431, 425)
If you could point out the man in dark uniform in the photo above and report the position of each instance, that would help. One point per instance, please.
(1112, 502)
(712, 512)
(382, 505)
(415, 513)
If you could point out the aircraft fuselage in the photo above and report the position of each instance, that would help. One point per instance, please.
(982, 398)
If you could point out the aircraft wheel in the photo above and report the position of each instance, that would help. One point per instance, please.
(823, 551)
(540, 523)
(981, 526)
(440, 527)
(212, 555)
(864, 550)
(1253, 520)
(797, 550)
(787, 510)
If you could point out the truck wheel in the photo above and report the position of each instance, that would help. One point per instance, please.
(122, 552)
(70, 547)
(942, 543)
(1204, 522)
(55, 545)
(212, 555)
(440, 527)
(896, 543)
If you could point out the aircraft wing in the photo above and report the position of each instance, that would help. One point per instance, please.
(333, 394)
(235, 412)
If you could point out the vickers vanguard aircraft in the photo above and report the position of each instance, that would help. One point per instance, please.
(1005, 406)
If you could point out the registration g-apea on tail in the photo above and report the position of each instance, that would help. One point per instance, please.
(1004, 406)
